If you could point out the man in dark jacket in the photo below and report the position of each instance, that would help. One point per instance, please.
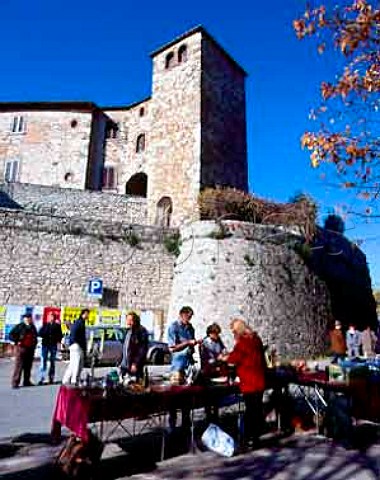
(51, 335)
(24, 335)
(135, 347)
(78, 348)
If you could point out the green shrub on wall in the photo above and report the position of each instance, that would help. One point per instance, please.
(132, 239)
(220, 233)
(173, 243)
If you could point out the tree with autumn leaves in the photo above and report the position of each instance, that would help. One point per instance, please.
(348, 137)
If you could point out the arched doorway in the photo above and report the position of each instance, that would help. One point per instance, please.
(137, 185)
(164, 212)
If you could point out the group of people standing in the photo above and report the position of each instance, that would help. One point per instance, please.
(25, 335)
(247, 356)
(353, 343)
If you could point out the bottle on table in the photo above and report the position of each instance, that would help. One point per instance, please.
(146, 381)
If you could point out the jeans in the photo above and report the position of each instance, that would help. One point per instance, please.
(48, 353)
(337, 357)
(181, 360)
(73, 371)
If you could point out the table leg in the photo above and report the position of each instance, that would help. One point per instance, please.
(192, 426)
(163, 435)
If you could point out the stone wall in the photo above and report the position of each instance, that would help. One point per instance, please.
(120, 151)
(74, 203)
(343, 266)
(241, 269)
(175, 135)
(224, 144)
(52, 150)
(251, 271)
(48, 260)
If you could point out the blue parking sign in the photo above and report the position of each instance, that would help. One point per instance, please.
(95, 287)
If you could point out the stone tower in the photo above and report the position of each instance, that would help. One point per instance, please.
(189, 134)
(198, 124)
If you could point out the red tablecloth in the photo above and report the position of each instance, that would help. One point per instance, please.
(77, 407)
(71, 410)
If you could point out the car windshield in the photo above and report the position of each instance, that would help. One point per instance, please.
(106, 334)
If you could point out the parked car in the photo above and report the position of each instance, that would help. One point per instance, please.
(105, 345)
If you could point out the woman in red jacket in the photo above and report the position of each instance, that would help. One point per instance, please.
(248, 357)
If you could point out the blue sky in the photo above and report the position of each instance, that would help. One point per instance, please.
(99, 51)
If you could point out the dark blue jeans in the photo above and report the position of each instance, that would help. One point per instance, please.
(48, 353)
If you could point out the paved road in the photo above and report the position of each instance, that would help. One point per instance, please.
(26, 416)
(29, 410)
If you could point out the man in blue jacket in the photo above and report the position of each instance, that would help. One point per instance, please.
(78, 348)
(51, 334)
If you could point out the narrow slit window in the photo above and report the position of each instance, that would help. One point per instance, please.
(169, 60)
(140, 143)
(182, 54)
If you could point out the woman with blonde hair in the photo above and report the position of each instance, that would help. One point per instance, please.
(249, 359)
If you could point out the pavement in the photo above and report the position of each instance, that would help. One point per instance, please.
(26, 451)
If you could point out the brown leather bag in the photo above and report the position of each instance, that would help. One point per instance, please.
(78, 459)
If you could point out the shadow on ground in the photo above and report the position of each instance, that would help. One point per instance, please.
(300, 457)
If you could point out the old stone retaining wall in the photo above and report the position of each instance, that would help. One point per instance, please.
(240, 269)
(74, 203)
(251, 271)
(48, 260)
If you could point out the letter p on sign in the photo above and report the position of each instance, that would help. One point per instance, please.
(95, 287)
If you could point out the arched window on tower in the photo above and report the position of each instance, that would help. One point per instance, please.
(137, 185)
(182, 54)
(169, 60)
(164, 212)
(140, 143)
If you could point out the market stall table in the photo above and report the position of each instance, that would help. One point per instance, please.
(76, 408)
(362, 393)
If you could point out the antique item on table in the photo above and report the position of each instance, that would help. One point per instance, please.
(146, 380)
(136, 388)
(177, 378)
(128, 380)
(219, 380)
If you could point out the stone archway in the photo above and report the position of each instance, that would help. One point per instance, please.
(137, 185)
(164, 212)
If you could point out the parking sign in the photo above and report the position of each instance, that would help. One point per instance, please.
(95, 287)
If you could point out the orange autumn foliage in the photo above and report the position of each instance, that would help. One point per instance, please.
(350, 138)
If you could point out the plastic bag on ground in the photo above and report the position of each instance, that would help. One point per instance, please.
(215, 439)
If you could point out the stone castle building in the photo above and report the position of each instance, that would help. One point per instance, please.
(106, 192)
(190, 133)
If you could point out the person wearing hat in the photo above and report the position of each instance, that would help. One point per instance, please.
(24, 336)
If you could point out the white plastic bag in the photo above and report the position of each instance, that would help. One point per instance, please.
(218, 441)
